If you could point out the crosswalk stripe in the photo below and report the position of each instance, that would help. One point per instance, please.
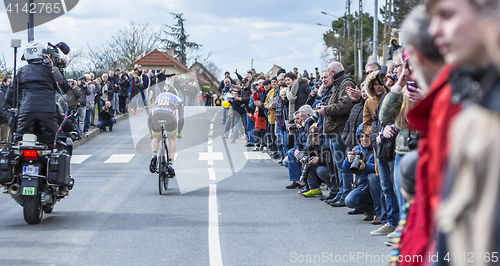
(79, 158)
(120, 158)
(256, 156)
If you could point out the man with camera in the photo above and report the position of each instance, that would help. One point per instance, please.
(314, 159)
(360, 162)
(37, 83)
(106, 117)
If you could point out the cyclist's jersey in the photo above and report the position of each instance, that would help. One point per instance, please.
(167, 107)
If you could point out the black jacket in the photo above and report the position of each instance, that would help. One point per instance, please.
(302, 95)
(4, 105)
(37, 88)
(245, 95)
(355, 119)
(105, 116)
(124, 84)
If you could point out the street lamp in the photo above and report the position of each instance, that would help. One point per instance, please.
(345, 22)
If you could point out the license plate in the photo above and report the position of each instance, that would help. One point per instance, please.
(30, 170)
(29, 191)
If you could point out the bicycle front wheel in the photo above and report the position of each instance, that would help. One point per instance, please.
(162, 175)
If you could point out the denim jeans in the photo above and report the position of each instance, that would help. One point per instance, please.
(397, 186)
(114, 101)
(237, 127)
(224, 114)
(250, 130)
(81, 117)
(376, 192)
(317, 173)
(103, 124)
(360, 199)
(339, 154)
(388, 195)
(294, 166)
(143, 97)
(243, 117)
(88, 114)
(228, 126)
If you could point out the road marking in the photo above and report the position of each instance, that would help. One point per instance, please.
(211, 173)
(209, 141)
(210, 156)
(120, 158)
(211, 126)
(213, 228)
(79, 158)
(256, 156)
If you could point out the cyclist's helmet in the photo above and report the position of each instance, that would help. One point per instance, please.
(173, 91)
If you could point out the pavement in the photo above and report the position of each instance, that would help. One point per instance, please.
(227, 205)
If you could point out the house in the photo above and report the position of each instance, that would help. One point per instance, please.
(158, 60)
(205, 78)
(273, 71)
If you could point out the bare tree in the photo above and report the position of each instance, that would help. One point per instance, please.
(127, 45)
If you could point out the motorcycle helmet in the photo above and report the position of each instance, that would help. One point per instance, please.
(33, 50)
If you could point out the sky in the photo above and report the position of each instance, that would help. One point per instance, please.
(284, 33)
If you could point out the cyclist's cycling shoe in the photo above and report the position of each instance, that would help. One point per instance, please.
(170, 170)
(152, 165)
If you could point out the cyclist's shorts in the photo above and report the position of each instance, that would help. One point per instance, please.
(155, 126)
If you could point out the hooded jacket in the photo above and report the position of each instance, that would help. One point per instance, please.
(368, 159)
(372, 103)
(355, 119)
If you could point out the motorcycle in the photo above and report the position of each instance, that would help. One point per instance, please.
(35, 176)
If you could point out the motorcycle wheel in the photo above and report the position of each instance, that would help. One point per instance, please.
(48, 208)
(32, 209)
(162, 175)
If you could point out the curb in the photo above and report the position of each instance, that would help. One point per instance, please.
(94, 132)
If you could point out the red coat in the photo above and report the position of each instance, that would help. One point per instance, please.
(432, 118)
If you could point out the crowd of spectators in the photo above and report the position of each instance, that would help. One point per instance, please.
(412, 147)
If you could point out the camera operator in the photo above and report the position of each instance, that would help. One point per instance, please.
(318, 158)
(106, 117)
(362, 197)
(37, 94)
(4, 109)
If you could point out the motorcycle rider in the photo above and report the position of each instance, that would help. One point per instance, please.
(37, 94)
(166, 107)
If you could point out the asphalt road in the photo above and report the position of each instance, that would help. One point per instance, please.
(227, 206)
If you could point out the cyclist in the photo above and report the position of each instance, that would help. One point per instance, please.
(167, 107)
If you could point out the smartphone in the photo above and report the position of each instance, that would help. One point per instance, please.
(410, 86)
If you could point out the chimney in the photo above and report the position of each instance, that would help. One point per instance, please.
(170, 52)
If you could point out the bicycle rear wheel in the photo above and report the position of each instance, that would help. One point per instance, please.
(162, 175)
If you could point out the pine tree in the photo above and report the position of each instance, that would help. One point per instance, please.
(180, 43)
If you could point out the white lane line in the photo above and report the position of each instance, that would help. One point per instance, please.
(79, 158)
(214, 249)
(212, 126)
(120, 158)
(209, 141)
(256, 156)
(210, 156)
(211, 173)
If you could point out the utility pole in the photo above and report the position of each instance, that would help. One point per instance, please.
(349, 19)
(375, 31)
(361, 44)
(251, 65)
(31, 24)
(355, 49)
